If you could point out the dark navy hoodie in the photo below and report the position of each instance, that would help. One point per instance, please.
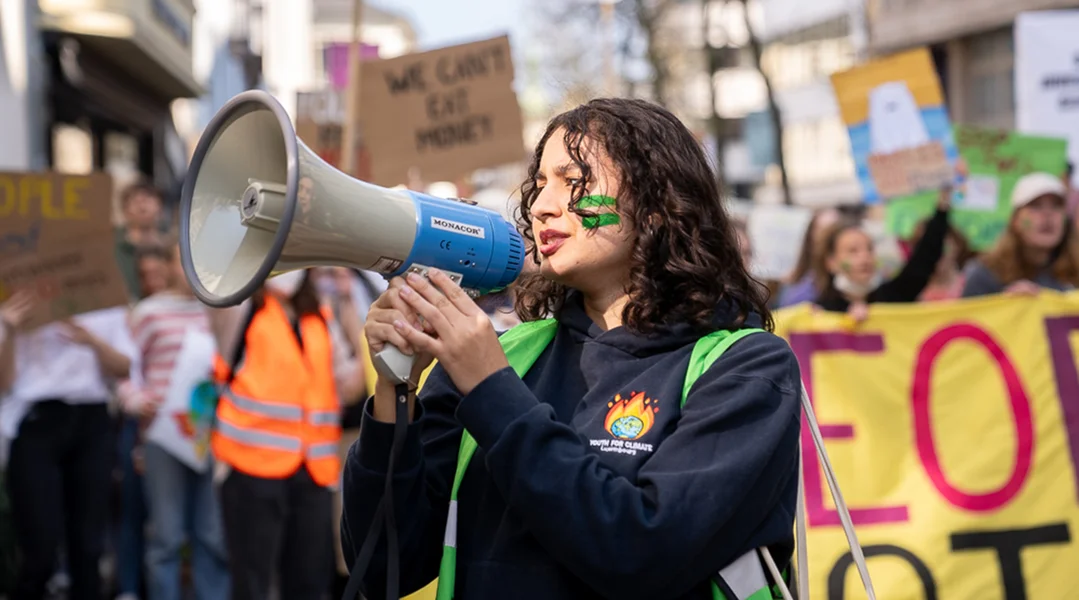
(550, 509)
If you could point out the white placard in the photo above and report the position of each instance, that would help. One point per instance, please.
(172, 428)
(982, 193)
(776, 233)
(1047, 77)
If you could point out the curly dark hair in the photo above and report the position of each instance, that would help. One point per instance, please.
(686, 258)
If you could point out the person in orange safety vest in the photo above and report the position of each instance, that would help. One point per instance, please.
(283, 368)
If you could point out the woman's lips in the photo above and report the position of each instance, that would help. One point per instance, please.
(551, 241)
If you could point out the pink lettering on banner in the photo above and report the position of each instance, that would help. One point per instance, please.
(923, 429)
(805, 345)
(1059, 330)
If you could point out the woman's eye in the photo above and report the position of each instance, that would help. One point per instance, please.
(575, 181)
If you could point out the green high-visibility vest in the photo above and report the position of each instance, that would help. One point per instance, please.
(523, 345)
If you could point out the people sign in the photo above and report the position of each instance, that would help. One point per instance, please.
(57, 238)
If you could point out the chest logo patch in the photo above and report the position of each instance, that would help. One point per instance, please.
(629, 419)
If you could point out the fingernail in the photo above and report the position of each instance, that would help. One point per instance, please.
(414, 278)
(405, 291)
(399, 325)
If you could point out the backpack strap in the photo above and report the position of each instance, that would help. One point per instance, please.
(241, 344)
(523, 345)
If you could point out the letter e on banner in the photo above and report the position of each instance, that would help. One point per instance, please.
(923, 428)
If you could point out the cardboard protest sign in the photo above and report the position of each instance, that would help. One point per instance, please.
(57, 237)
(900, 134)
(320, 118)
(996, 159)
(445, 112)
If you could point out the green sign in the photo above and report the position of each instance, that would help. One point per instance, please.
(995, 160)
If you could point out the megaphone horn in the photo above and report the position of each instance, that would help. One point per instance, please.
(257, 202)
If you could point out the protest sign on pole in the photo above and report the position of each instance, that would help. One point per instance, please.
(901, 138)
(954, 431)
(1047, 77)
(57, 237)
(444, 112)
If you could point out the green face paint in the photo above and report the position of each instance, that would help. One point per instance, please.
(602, 219)
(844, 266)
(1025, 224)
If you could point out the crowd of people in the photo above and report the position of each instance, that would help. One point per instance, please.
(78, 395)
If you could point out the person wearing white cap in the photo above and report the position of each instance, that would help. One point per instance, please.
(1038, 249)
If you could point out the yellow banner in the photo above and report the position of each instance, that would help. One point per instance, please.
(954, 432)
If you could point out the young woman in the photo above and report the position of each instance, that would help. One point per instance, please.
(182, 502)
(590, 479)
(286, 368)
(848, 280)
(1039, 249)
(801, 283)
(57, 382)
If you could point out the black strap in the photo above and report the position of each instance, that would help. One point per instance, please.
(384, 516)
(241, 344)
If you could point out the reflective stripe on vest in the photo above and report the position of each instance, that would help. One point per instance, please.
(254, 437)
(280, 412)
(270, 410)
(523, 345)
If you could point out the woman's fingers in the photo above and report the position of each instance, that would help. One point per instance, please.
(428, 302)
(379, 334)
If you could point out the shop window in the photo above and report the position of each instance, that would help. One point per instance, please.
(990, 79)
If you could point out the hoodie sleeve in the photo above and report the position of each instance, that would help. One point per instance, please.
(720, 479)
(422, 480)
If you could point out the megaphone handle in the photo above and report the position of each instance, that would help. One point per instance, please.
(393, 364)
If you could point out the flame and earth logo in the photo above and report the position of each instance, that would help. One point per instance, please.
(629, 419)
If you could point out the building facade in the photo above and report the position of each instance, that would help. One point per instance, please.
(972, 45)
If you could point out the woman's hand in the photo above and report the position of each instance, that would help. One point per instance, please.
(1023, 287)
(464, 341)
(858, 312)
(16, 309)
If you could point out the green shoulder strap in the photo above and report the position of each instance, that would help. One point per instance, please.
(523, 345)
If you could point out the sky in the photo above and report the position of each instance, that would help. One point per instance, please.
(446, 22)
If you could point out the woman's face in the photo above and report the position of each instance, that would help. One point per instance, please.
(854, 256)
(591, 255)
(1040, 224)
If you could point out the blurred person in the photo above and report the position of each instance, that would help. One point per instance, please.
(141, 205)
(182, 502)
(153, 268)
(801, 284)
(948, 279)
(142, 209)
(285, 370)
(1037, 250)
(58, 385)
(543, 511)
(848, 277)
(1071, 193)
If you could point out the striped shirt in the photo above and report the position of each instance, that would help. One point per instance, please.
(158, 326)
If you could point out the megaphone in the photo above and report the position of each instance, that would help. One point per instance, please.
(257, 203)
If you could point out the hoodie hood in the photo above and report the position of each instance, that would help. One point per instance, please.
(666, 339)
